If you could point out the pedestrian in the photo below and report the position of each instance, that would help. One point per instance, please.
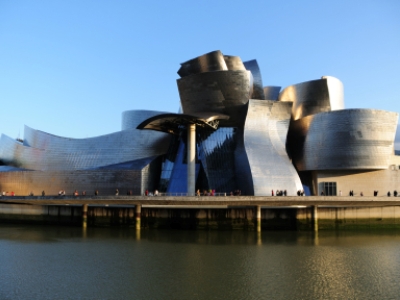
(156, 192)
(146, 193)
(43, 193)
(272, 193)
(340, 193)
(116, 192)
(96, 192)
(197, 193)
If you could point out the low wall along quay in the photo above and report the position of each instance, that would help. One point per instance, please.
(208, 213)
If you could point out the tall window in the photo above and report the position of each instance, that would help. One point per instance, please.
(330, 188)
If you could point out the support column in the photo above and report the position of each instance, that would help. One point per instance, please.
(138, 213)
(84, 215)
(191, 159)
(258, 216)
(315, 217)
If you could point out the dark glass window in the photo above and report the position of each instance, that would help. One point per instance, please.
(330, 188)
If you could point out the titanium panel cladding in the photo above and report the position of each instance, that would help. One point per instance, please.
(132, 118)
(314, 96)
(222, 92)
(234, 63)
(345, 139)
(258, 90)
(271, 92)
(213, 61)
(265, 133)
(43, 151)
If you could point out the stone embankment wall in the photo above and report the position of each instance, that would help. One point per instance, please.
(232, 218)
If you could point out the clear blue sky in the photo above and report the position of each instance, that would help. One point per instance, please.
(72, 67)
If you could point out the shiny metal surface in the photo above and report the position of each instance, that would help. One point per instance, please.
(43, 151)
(314, 96)
(258, 90)
(212, 61)
(346, 139)
(175, 123)
(241, 143)
(132, 118)
(220, 92)
(234, 63)
(126, 160)
(271, 92)
(265, 133)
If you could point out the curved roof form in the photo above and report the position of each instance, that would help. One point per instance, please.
(132, 118)
(314, 96)
(43, 151)
(345, 139)
(222, 92)
(234, 63)
(209, 62)
(174, 123)
(258, 90)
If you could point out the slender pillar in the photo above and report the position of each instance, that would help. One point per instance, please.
(191, 157)
(258, 214)
(315, 217)
(138, 213)
(84, 215)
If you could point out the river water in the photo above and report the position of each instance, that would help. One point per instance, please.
(38, 262)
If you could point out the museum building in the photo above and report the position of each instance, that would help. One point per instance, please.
(232, 134)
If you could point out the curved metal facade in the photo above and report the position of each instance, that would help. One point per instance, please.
(245, 136)
(43, 151)
(127, 159)
(345, 139)
(265, 131)
(314, 96)
(271, 92)
(234, 63)
(213, 61)
(132, 118)
(258, 90)
(220, 92)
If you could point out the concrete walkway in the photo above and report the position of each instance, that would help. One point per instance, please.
(276, 201)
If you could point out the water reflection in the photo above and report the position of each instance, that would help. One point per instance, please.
(109, 263)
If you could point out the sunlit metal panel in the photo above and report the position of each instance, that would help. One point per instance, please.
(265, 133)
(212, 61)
(271, 92)
(344, 139)
(221, 92)
(43, 151)
(314, 96)
(132, 118)
(258, 90)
